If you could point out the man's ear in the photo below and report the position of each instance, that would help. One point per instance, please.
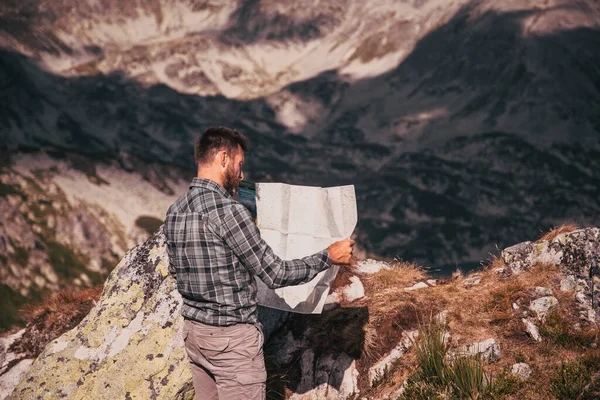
(224, 156)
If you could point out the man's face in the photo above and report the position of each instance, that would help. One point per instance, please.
(233, 172)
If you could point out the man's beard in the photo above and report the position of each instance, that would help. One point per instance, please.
(232, 181)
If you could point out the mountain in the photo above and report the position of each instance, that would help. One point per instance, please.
(66, 220)
(464, 125)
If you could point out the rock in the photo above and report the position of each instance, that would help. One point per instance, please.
(370, 266)
(522, 370)
(472, 281)
(331, 377)
(568, 284)
(532, 330)
(488, 349)
(518, 258)
(543, 291)
(542, 305)
(355, 290)
(431, 282)
(515, 306)
(332, 301)
(416, 286)
(441, 317)
(6, 356)
(9, 380)
(501, 272)
(130, 344)
(383, 365)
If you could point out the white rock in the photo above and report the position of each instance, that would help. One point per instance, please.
(10, 380)
(370, 266)
(355, 290)
(542, 305)
(515, 306)
(488, 349)
(397, 352)
(532, 330)
(333, 378)
(441, 317)
(472, 281)
(431, 282)
(567, 284)
(543, 291)
(416, 286)
(5, 355)
(521, 369)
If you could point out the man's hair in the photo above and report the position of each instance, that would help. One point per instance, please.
(216, 139)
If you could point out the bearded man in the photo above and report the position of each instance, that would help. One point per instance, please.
(215, 252)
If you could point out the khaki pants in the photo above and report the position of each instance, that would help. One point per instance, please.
(227, 362)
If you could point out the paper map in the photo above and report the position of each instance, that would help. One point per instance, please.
(297, 221)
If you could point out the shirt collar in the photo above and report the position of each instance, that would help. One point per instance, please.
(210, 185)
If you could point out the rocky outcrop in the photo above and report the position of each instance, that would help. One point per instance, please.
(128, 346)
(576, 253)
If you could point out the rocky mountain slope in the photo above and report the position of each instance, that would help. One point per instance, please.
(464, 125)
(521, 317)
(66, 220)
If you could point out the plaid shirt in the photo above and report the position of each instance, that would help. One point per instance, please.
(215, 251)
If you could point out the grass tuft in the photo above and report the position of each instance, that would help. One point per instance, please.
(438, 377)
(400, 274)
(554, 232)
(54, 316)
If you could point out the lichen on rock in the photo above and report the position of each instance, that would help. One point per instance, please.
(138, 315)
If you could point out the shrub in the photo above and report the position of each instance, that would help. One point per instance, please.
(570, 380)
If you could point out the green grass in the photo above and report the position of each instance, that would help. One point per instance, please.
(559, 331)
(569, 380)
(436, 377)
(149, 224)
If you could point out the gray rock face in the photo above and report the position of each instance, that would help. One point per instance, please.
(519, 257)
(542, 305)
(576, 253)
(472, 281)
(542, 291)
(522, 370)
(532, 330)
(379, 369)
(330, 377)
(488, 349)
(568, 284)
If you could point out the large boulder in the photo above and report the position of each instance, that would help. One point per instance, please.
(575, 252)
(128, 346)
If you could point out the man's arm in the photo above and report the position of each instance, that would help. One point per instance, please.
(243, 237)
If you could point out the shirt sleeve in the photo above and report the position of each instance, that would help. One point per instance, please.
(243, 237)
(170, 252)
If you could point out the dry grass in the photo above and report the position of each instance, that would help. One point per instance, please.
(481, 312)
(554, 232)
(400, 274)
(54, 316)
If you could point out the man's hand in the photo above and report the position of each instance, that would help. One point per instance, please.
(341, 252)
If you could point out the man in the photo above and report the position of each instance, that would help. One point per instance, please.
(215, 252)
